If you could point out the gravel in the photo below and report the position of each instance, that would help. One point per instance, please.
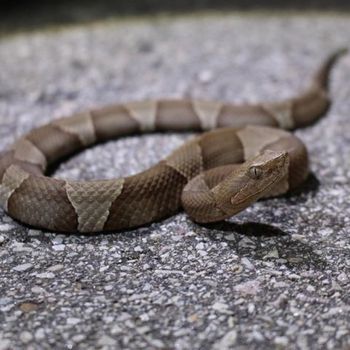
(275, 276)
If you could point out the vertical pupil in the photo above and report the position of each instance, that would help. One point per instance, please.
(255, 172)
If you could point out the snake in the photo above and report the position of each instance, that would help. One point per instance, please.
(243, 152)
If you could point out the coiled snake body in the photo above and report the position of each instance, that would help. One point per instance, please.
(213, 176)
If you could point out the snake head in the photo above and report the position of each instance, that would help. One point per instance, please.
(251, 181)
(260, 175)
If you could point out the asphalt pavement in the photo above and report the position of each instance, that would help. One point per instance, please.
(276, 276)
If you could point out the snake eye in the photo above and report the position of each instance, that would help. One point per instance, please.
(255, 172)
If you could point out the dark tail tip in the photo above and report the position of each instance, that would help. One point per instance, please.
(321, 78)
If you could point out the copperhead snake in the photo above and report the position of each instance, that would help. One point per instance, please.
(213, 176)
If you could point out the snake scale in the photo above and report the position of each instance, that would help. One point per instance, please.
(213, 176)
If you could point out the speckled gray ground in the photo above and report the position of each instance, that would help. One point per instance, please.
(275, 276)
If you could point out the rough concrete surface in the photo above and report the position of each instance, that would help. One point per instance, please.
(275, 276)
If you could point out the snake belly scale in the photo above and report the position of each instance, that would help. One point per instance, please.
(213, 176)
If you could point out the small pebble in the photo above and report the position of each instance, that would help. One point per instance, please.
(249, 287)
(106, 340)
(45, 275)
(25, 337)
(23, 267)
(343, 277)
(221, 307)
(77, 338)
(39, 334)
(281, 341)
(228, 340)
(54, 268)
(72, 321)
(6, 227)
(5, 344)
(58, 247)
(205, 76)
(28, 306)
(272, 254)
